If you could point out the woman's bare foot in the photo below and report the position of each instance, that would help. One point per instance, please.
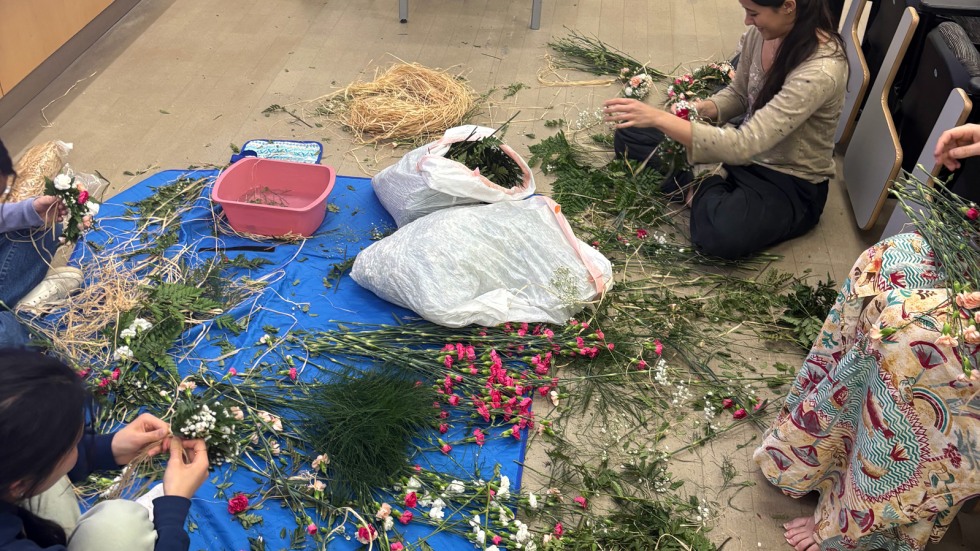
(799, 534)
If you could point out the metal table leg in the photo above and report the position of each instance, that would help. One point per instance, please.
(535, 14)
(403, 10)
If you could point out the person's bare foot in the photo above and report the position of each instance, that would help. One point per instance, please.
(799, 534)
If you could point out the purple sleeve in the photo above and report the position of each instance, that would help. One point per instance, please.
(19, 216)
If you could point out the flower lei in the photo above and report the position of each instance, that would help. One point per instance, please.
(700, 83)
(636, 82)
(196, 417)
(681, 95)
(81, 210)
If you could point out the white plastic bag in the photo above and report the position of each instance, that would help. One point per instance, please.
(486, 264)
(424, 180)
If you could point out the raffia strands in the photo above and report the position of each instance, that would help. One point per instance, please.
(405, 102)
(112, 289)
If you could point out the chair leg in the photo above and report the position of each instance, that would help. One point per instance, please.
(535, 14)
(403, 11)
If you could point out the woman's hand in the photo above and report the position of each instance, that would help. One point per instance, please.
(630, 112)
(183, 479)
(51, 209)
(706, 109)
(145, 430)
(959, 143)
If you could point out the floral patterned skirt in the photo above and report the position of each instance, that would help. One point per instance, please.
(879, 420)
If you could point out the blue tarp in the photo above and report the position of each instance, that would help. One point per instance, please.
(301, 269)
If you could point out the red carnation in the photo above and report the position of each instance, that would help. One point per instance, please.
(727, 403)
(740, 413)
(411, 500)
(238, 504)
(972, 213)
(406, 517)
(83, 197)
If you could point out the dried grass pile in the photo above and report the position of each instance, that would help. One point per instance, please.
(407, 101)
(80, 334)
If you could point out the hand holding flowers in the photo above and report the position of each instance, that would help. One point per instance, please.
(67, 199)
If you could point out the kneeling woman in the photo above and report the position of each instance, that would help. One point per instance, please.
(790, 87)
(42, 418)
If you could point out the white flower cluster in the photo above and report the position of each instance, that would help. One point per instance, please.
(704, 514)
(504, 487)
(122, 353)
(479, 535)
(436, 512)
(138, 326)
(63, 182)
(638, 86)
(588, 119)
(709, 410)
(681, 394)
(455, 487)
(413, 485)
(532, 501)
(200, 424)
(660, 372)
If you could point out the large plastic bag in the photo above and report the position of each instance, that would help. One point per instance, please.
(486, 264)
(44, 160)
(425, 181)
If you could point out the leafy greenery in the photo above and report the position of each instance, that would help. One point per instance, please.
(486, 155)
(365, 424)
(591, 55)
(513, 89)
(806, 308)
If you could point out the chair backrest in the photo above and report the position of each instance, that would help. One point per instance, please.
(880, 31)
(857, 77)
(875, 156)
(949, 60)
(953, 113)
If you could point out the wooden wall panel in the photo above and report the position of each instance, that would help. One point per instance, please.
(35, 29)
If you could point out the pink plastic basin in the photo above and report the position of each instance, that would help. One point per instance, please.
(274, 198)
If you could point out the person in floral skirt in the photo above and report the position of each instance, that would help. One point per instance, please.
(882, 419)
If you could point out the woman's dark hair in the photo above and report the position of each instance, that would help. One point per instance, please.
(813, 18)
(6, 163)
(42, 412)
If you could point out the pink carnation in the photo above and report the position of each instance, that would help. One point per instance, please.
(366, 534)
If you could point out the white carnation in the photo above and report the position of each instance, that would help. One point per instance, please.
(62, 182)
(127, 333)
(93, 208)
(504, 486)
(122, 353)
(456, 487)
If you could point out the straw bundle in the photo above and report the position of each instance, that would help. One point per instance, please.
(44, 160)
(112, 290)
(406, 101)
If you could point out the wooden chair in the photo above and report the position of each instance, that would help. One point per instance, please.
(858, 75)
(535, 13)
(874, 157)
(954, 113)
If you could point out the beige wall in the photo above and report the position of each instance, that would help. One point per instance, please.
(32, 30)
